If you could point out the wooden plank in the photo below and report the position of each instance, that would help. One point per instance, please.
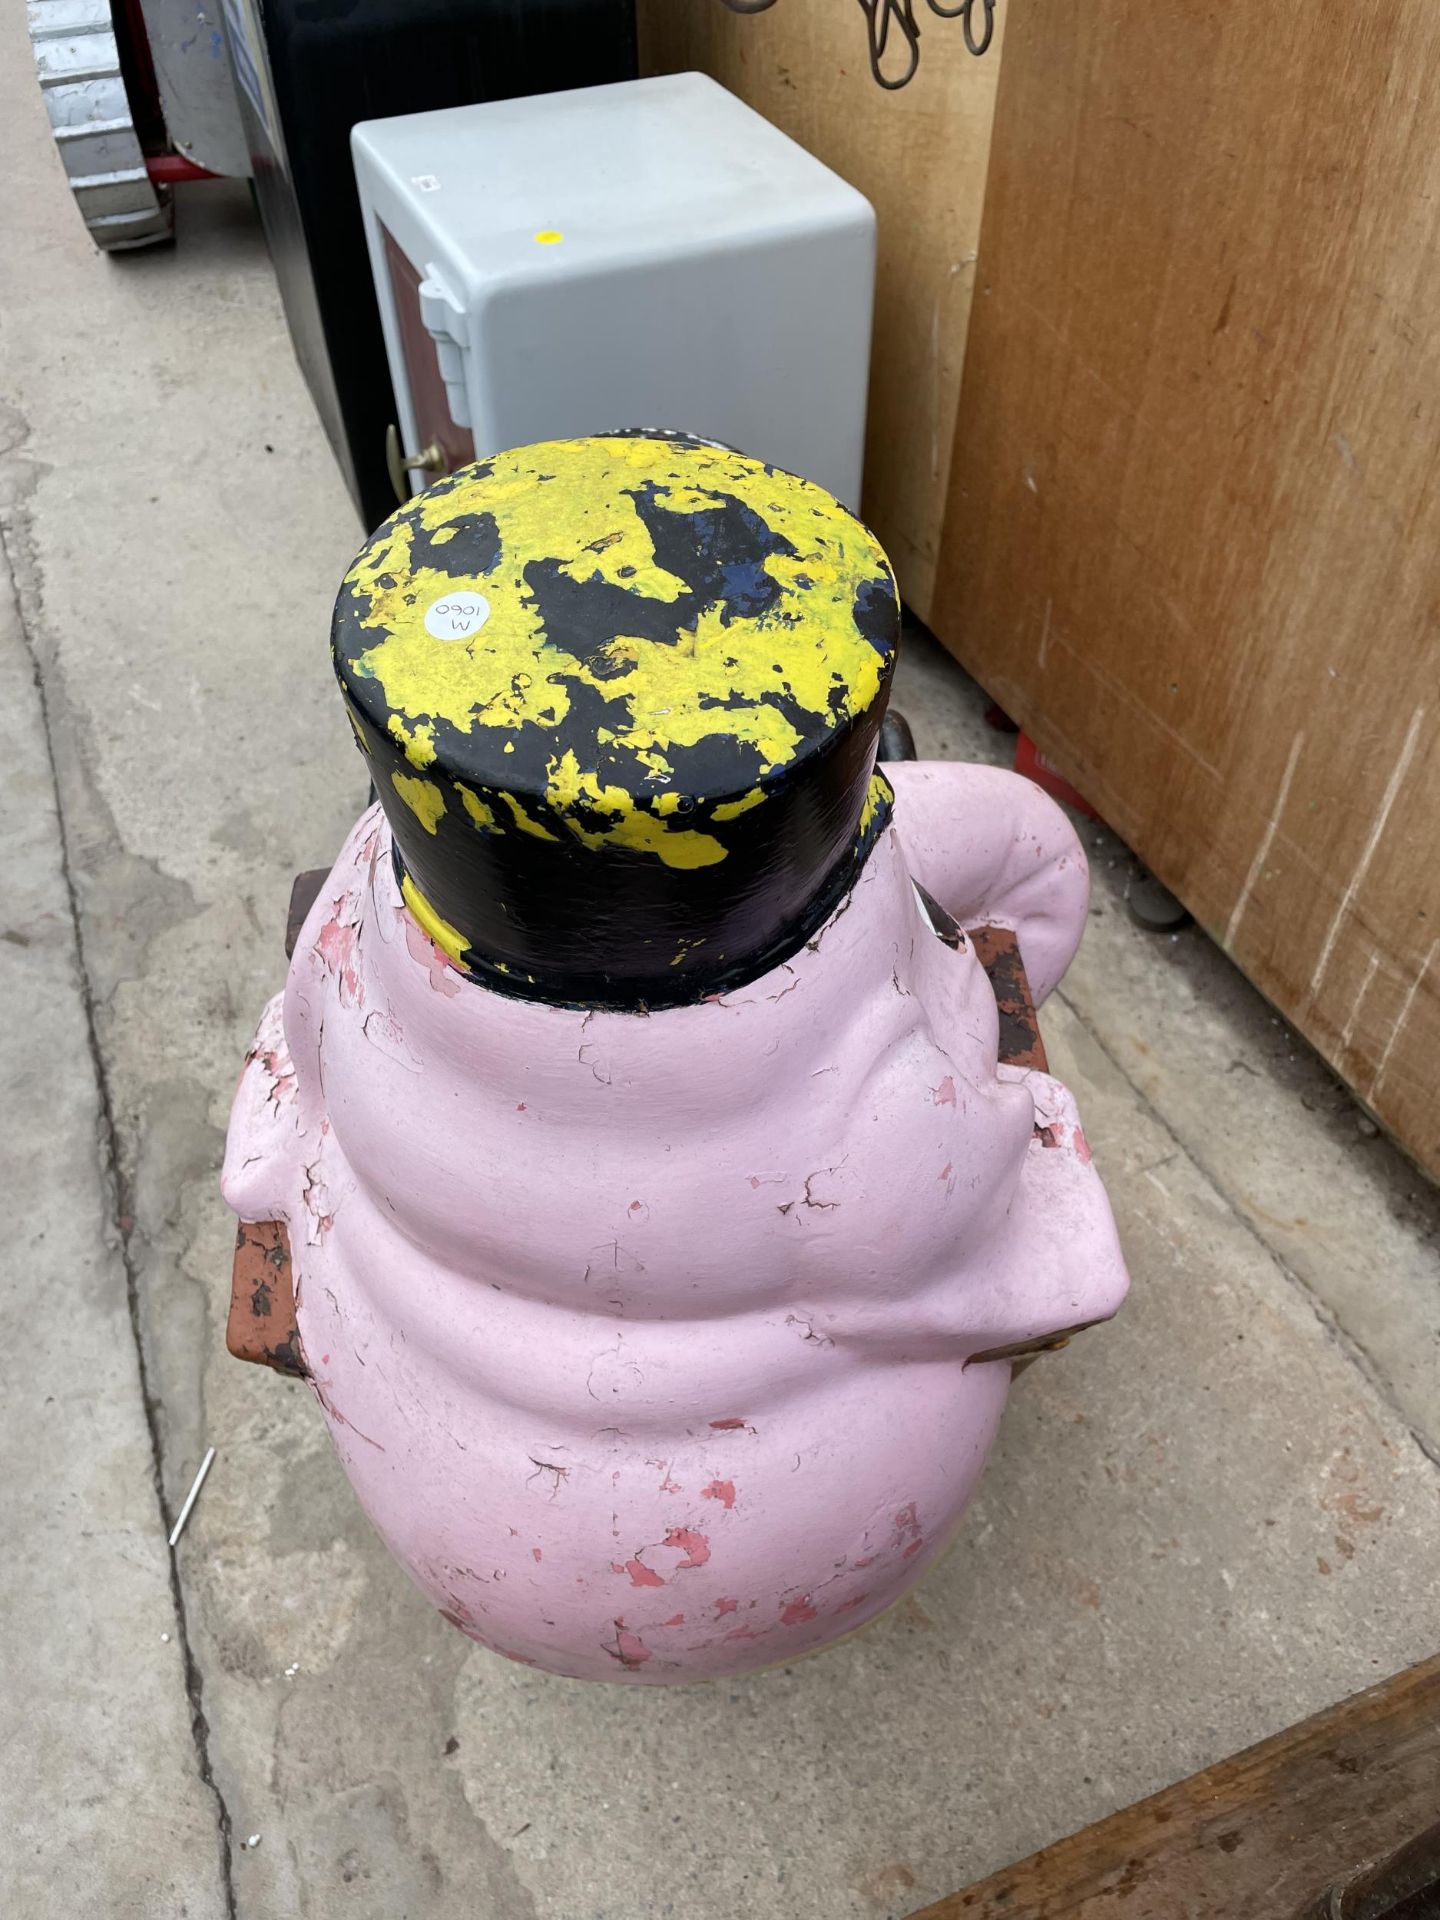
(919, 157)
(1193, 534)
(1259, 1837)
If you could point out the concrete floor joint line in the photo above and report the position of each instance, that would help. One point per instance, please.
(12, 551)
(1354, 1352)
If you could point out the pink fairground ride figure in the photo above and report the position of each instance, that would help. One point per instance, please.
(640, 1164)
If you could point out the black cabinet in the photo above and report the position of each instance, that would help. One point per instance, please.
(307, 71)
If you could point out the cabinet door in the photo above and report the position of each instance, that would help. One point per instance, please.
(428, 399)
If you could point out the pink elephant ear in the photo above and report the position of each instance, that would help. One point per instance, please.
(1067, 1244)
(996, 851)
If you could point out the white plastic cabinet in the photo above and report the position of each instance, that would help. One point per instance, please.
(652, 254)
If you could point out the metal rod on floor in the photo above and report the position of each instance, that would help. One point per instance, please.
(195, 1486)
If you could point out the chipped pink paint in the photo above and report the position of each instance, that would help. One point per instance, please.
(694, 1546)
(640, 1574)
(336, 946)
(597, 1342)
(438, 965)
(629, 1649)
(277, 1065)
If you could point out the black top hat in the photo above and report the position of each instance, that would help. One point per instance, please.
(620, 697)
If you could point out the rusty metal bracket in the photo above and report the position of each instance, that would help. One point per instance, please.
(998, 951)
(261, 1326)
(1024, 1353)
(304, 890)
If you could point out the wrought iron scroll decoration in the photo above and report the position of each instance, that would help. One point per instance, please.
(884, 16)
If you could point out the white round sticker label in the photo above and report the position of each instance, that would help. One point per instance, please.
(456, 616)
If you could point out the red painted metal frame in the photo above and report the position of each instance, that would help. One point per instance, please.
(167, 168)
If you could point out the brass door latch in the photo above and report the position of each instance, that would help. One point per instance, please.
(431, 459)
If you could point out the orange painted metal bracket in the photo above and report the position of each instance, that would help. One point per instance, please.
(261, 1326)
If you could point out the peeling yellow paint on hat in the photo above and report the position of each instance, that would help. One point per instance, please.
(732, 809)
(423, 797)
(447, 938)
(479, 812)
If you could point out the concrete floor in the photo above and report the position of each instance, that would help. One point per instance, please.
(1201, 1523)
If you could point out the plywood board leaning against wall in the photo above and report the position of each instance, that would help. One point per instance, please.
(1193, 532)
(918, 156)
